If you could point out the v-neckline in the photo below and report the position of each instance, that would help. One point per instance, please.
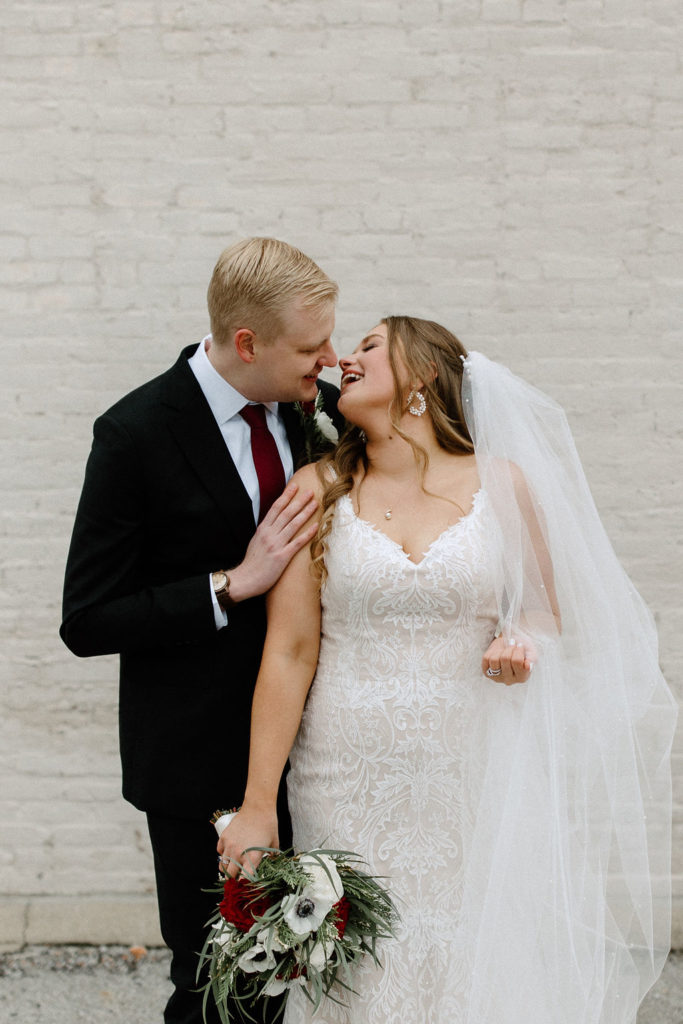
(431, 545)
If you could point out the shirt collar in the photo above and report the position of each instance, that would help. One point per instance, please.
(224, 400)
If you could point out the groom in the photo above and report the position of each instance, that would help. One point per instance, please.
(178, 535)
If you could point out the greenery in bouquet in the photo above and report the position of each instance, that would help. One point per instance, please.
(299, 920)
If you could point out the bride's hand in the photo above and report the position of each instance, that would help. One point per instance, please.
(285, 530)
(248, 828)
(509, 661)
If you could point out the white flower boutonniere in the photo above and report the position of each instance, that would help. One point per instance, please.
(320, 433)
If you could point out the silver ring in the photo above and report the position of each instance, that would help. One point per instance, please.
(491, 672)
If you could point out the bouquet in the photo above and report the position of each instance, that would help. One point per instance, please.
(299, 920)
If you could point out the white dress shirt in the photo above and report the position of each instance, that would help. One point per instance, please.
(226, 403)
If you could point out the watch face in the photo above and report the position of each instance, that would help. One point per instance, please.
(219, 581)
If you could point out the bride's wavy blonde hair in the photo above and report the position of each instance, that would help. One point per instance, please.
(429, 353)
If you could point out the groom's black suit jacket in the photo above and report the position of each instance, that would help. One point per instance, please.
(162, 507)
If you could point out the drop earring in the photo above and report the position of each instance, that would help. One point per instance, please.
(415, 394)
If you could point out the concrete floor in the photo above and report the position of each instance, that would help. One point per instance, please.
(114, 985)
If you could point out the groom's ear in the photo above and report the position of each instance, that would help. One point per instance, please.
(244, 344)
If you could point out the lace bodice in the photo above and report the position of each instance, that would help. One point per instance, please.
(382, 611)
(380, 762)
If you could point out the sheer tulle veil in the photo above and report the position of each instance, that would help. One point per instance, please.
(566, 907)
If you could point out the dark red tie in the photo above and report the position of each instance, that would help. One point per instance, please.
(271, 475)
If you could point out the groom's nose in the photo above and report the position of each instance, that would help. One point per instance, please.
(328, 357)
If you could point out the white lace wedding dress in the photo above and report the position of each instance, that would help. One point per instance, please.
(382, 765)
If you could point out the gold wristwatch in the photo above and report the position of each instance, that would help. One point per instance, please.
(221, 589)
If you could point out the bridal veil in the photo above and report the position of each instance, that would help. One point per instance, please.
(567, 892)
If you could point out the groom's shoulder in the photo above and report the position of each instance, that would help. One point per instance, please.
(168, 387)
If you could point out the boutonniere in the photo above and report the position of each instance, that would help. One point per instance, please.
(320, 433)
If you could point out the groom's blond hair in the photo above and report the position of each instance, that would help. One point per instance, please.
(255, 280)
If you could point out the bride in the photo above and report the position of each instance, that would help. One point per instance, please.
(486, 723)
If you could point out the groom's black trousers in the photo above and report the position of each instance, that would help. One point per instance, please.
(185, 863)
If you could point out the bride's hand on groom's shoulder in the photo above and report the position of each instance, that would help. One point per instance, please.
(249, 828)
(288, 526)
(509, 661)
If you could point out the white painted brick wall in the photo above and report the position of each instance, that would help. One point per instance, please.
(510, 167)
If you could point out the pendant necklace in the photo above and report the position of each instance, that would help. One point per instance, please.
(388, 513)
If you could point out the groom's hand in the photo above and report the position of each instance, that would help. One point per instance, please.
(285, 530)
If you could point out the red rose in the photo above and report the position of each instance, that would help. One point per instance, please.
(342, 909)
(308, 408)
(242, 902)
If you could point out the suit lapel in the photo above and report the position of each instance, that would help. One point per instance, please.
(196, 432)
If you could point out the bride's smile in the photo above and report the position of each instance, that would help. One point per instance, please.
(367, 378)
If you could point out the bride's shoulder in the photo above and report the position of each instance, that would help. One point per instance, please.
(308, 478)
(502, 469)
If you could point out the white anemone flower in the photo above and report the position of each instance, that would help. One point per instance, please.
(256, 959)
(224, 937)
(276, 986)
(304, 912)
(325, 880)
(270, 941)
(320, 954)
(326, 426)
